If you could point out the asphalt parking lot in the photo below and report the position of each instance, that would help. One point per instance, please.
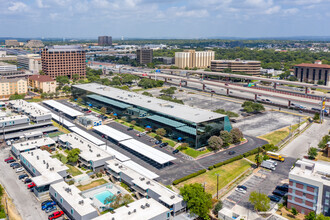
(264, 181)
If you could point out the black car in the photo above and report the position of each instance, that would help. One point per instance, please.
(158, 142)
(279, 193)
(17, 166)
(104, 117)
(242, 187)
(14, 164)
(175, 151)
(27, 180)
(129, 129)
(22, 176)
(274, 198)
(282, 188)
(85, 109)
(163, 144)
(231, 152)
(11, 161)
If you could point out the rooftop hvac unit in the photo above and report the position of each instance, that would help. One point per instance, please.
(142, 207)
(147, 205)
(90, 150)
(172, 197)
(44, 161)
(148, 182)
(129, 213)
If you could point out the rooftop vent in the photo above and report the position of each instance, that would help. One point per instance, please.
(172, 197)
(147, 205)
(142, 207)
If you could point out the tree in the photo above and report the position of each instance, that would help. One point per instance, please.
(250, 107)
(312, 153)
(1, 191)
(258, 159)
(79, 100)
(73, 155)
(198, 201)
(316, 116)
(217, 207)
(323, 143)
(215, 142)
(62, 80)
(16, 96)
(260, 201)
(41, 72)
(294, 211)
(236, 134)
(322, 217)
(320, 82)
(161, 132)
(103, 110)
(75, 77)
(311, 216)
(226, 137)
(133, 123)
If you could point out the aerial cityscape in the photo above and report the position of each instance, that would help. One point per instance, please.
(165, 110)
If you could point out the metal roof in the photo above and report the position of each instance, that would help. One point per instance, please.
(86, 135)
(140, 169)
(121, 157)
(112, 133)
(62, 120)
(187, 129)
(63, 108)
(109, 101)
(166, 121)
(148, 151)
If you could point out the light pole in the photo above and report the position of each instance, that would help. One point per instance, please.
(217, 185)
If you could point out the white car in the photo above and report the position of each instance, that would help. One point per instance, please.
(240, 190)
(19, 169)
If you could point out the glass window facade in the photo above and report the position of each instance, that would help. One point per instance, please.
(195, 134)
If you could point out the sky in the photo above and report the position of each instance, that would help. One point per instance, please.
(164, 18)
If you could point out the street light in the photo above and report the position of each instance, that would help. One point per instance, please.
(217, 185)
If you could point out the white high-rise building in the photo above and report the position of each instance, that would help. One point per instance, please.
(192, 58)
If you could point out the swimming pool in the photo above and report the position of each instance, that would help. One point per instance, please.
(103, 195)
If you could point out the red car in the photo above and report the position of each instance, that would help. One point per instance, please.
(31, 185)
(9, 158)
(55, 215)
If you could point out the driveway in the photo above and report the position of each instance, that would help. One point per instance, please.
(26, 203)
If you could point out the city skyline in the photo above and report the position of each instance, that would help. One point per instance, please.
(165, 19)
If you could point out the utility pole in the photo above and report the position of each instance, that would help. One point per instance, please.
(217, 185)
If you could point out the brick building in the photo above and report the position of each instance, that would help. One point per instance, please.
(42, 83)
(313, 72)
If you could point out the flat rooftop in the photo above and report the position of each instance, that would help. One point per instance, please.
(88, 150)
(63, 108)
(29, 108)
(142, 209)
(63, 48)
(184, 112)
(26, 145)
(86, 135)
(112, 133)
(13, 118)
(71, 194)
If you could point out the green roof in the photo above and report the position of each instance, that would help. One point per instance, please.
(109, 101)
(166, 121)
(187, 129)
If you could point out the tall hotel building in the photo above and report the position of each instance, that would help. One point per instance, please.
(309, 188)
(63, 61)
(192, 58)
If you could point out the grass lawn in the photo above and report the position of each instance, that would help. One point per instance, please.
(322, 90)
(125, 186)
(276, 136)
(55, 134)
(227, 173)
(73, 171)
(322, 156)
(195, 153)
(170, 142)
(251, 157)
(60, 128)
(93, 184)
(34, 100)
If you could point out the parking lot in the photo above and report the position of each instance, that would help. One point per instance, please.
(264, 181)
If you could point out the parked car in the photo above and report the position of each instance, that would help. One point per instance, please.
(46, 201)
(11, 161)
(240, 190)
(9, 158)
(163, 144)
(175, 151)
(158, 142)
(31, 185)
(279, 193)
(55, 215)
(231, 152)
(274, 198)
(17, 166)
(27, 180)
(50, 209)
(22, 176)
(48, 204)
(14, 164)
(282, 188)
(18, 170)
(129, 129)
(85, 109)
(242, 187)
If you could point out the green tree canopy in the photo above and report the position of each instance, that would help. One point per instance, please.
(226, 137)
(215, 142)
(236, 134)
(260, 201)
(73, 155)
(312, 153)
(161, 132)
(103, 110)
(198, 201)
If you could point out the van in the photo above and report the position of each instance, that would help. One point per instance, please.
(272, 161)
(268, 165)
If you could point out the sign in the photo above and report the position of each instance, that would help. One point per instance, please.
(323, 104)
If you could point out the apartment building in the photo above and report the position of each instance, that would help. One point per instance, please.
(104, 41)
(31, 62)
(144, 55)
(313, 72)
(10, 86)
(7, 67)
(250, 67)
(43, 83)
(34, 43)
(309, 188)
(192, 59)
(11, 43)
(63, 61)
(30, 145)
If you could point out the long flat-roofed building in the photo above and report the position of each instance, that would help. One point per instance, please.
(188, 124)
(251, 67)
(29, 145)
(63, 108)
(7, 67)
(313, 72)
(192, 58)
(63, 61)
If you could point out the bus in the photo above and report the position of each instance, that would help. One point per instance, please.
(275, 156)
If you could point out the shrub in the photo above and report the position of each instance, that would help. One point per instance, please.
(158, 138)
(99, 174)
(93, 176)
(175, 182)
(210, 167)
(217, 207)
(71, 182)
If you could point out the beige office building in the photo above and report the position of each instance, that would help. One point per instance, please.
(11, 43)
(192, 58)
(43, 83)
(34, 43)
(250, 67)
(31, 62)
(9, 87)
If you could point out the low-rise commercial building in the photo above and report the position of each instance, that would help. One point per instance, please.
(12, 86)
(309, 188)
(192, 59)
(31, 62)
(34, 43)
(89, 121)
(91, 156)
(313, 72)
(7, 67)
(42, 83)
(30, 145)
(69, 198)
(12, 43)
(251, 67)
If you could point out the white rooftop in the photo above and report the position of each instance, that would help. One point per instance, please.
(40, 107)
(63, 108)
(88, 150)
(13, 118)
(62, 120)
(112, 133)
(142, 209)
(175, 110)
(22, 146)
(28, 108)
(86, 135)
(147, 151)
(46, 178)
(117, 154)
(71, 194)
(140, 169)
